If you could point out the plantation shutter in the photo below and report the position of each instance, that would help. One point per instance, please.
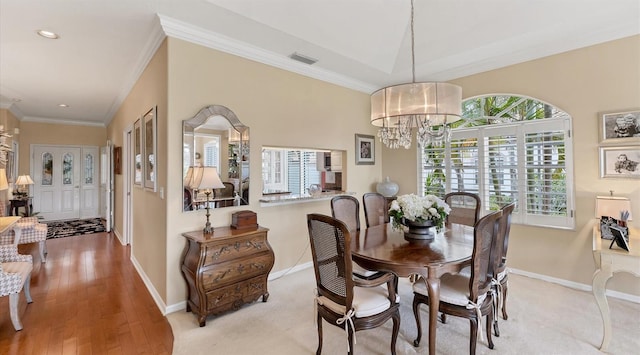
(465, 166)
(547, 192)
(501, 178)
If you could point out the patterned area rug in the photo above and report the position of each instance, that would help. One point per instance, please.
(60, 229)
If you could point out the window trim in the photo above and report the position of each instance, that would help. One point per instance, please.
(519, 129)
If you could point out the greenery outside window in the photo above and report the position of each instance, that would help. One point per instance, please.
(508, 148)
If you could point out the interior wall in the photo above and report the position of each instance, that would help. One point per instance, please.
(282, 109)
(583, 83)
(148, 246)
(60, 134)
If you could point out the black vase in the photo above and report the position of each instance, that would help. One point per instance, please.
(419, 229)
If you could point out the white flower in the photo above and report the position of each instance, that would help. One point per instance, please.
(419, 208)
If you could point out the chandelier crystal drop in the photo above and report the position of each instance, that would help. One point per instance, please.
(429, 107)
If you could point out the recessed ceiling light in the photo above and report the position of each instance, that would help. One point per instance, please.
(63, 105)
(47, 34)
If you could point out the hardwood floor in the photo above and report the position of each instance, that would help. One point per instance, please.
(87, 299)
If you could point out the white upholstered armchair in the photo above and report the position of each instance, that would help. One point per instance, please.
(15, 274)
(31, 231)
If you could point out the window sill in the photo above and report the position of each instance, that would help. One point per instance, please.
(278, 200)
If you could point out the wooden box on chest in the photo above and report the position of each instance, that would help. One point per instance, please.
(226, 270)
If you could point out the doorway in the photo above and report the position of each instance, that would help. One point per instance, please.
(65, 181)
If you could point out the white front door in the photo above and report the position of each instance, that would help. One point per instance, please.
(56, 173)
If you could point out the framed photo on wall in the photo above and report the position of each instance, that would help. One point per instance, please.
(137, 153)
(117, 160)
(149, 121)
(620, 127)
(620, 162)
(365, 150)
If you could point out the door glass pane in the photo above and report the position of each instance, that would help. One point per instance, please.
(47, 169)
(88, 169)
(67, 169)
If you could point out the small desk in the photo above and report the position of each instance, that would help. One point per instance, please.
(609, 261)
(16, 203)
(383, 248)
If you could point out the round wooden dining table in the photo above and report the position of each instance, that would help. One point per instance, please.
(384, 248)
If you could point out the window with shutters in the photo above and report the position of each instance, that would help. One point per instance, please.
(292, 170)
(212, 152)
(508, 149)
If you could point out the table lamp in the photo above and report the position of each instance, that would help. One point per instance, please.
(204, 178)
(21, 182)
(613, 206)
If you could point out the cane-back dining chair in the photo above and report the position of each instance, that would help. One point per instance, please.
(15, 274)
(342, 300)
(376, 209)
(346, 208)
(500, 263)
(467, 296)
(465, 208)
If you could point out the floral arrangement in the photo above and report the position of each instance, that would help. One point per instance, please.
(419, 209)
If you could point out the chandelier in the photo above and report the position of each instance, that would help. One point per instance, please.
(429, 107)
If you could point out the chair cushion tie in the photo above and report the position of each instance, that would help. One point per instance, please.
(476, 306)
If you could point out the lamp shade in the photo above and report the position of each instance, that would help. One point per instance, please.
(24, 180)
(433, 101)
(612, 206)
(4, 184)
(203, 177)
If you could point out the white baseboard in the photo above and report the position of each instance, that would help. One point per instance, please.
(571, 284)
(576, 285)
(152, 290)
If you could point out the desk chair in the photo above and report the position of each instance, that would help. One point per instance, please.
(341, 300)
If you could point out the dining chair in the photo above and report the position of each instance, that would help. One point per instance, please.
(500, 263)
(465, 208)
(346, 208)
(467, 296)
(376, 209)
(346, 302)
(15, 275)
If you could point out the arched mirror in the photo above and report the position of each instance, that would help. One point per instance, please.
(215, 137)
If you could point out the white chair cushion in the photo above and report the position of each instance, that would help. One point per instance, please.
(454, 289)
(367, 301)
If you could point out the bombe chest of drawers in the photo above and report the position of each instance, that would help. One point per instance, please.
(226, 269)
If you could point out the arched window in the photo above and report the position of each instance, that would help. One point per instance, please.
(508, 148)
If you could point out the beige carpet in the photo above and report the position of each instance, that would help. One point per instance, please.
(544, 318)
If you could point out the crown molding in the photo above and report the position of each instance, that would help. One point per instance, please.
(62, 121)
(187, 32)
(149, 50)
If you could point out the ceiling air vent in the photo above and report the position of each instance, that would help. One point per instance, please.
(302, 58)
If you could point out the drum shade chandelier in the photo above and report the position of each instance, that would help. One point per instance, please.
(428, 106)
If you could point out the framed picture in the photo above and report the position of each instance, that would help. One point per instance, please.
(149, 120)
(620, 127)
(137, 153)
(117, 160)
(620, 162)
(365, 150)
